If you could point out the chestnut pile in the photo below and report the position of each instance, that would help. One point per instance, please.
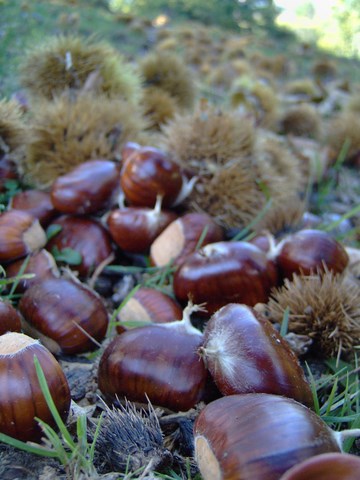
(258, 422)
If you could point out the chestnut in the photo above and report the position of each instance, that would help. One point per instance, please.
(225, 272)
(245, 354)
(147, 173)
(21, 234)
(9, 318)
(310, 251)
(257, 436)
(35, 202)
(41, 264)
(21, 398)
(148, 305)
(8, 171)
(85, 235)
(88, 188)
(182, 237)
(159, 362)
(128, 149)
(134, 229)
(67, 316)
(327, 466)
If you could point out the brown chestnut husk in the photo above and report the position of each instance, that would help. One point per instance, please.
(21, 398)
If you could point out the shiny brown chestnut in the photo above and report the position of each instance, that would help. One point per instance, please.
(40, 265)
(85, 235)
(182, 237)
(21, 234)
(157, 361)
(9, 318)
(257, 436)
(35, 202)
(128, 149)
(21, 398)
(245, 354)
(134, 229)
(327, 466)
(148, 305)
(225, 272)
(67, 316)
(147, 173)
(88, 188)
(309, 251)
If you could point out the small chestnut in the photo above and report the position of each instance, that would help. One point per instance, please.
(148, 305)
(257, 436)
(134, 229)
(327, 466)
(85, 235)
(35, 202)
(21, 234)
(182, 237)
(21, 398)
(66, 315)
(245, 354)
(41, 264)
(309, 251)
(148, 172)
(225, 272)
(9, 318)
(88, 188)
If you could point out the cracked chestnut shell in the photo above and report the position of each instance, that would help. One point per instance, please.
(21, 398)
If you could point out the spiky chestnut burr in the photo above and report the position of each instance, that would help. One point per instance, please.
(130, 440)
(326, 308)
